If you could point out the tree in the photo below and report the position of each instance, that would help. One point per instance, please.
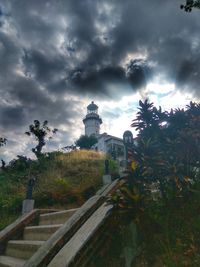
(2, 141)
(168, 146)
(190, 4)
(165, 158)
(41, 132)
(86, 142)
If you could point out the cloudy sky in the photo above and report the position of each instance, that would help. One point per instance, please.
(57, 56)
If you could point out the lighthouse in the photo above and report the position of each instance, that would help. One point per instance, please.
(92, 121)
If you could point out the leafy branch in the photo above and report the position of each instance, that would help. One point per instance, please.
(190, 4)
(41, 132)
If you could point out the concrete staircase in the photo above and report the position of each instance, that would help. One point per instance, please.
(17, 252)
(59, 237)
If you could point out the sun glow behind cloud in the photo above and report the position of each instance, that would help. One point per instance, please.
(167, 95)
(160, 89)
(124, 111)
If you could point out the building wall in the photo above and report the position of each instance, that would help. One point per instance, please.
(112, 145)
(101, 145)
(92, 126)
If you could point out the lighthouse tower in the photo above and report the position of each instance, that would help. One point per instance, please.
(92, 121)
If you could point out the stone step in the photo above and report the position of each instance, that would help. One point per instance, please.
(41, 232)
(78, 247)
(6, 261)
(22, 249)
(58, 217)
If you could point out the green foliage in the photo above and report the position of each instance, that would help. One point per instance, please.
(168, 147)
(11, 196)
(2, 141)
(169, 232)
(167, 151)
(86, 142)
(41, 132)
(162, 193)
(63, 180)
(190, 4)
(7, 218)
(67, 178)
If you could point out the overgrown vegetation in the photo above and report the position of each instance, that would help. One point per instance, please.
(41, 132)
(190, 4)
(62, 180)
(86, 142)
(162, 191)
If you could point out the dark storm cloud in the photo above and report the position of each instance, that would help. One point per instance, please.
(41, 67)
(138, 73)
(10, 54)
(88, 51)
(97, 81)
(164, 33)
(189, 70)
(39, 104)
(96, 39)
(12, 117)
(50, 50)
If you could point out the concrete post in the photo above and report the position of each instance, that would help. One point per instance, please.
(106, 176)
(28, 203)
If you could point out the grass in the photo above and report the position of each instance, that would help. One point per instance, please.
(63, 180)
(70, 178)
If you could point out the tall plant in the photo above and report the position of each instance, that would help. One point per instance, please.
(41, 132)
(168, 146)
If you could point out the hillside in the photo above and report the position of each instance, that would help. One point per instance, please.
(62, 180)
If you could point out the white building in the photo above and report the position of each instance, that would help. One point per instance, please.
(106, 143)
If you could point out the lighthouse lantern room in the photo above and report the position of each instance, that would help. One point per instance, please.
(92, 121)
